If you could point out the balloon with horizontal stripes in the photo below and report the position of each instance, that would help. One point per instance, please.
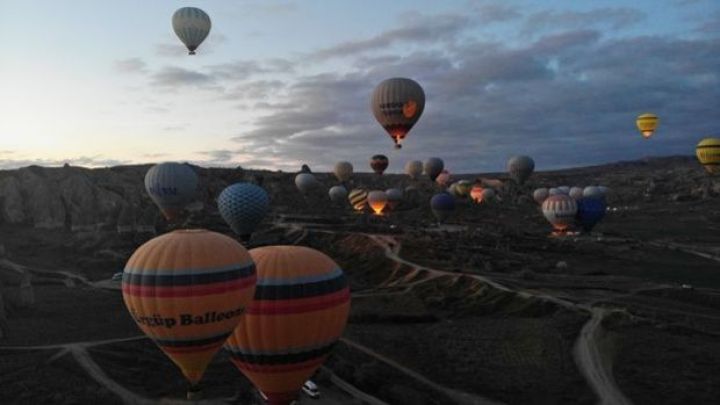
(647, 123)
(187, 290)
(192, 26)
(560, 211)
(171, 186)
(301, 306)
(708, 153)
(397, 105)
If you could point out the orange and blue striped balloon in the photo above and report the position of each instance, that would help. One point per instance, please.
(300, 310)
(188, 290)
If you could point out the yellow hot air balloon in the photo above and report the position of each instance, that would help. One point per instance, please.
(299, 312)
(708, 153)
(647, 123)
(187, 290)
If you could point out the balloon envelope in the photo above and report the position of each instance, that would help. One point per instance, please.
(433, 167)
(414, 168)
(301, 306)
(476, 193)
(540, 195)
(593, 192)
(590, 211)
(394, 197)
(377, 200)
(379, 163)
(647, 123)
(576, 193)
(343, 171)
(708, 154)
(520, 168)
(305, 182)
(560, 210)
(338, 194)
(358, 199)
(187, 290)
(397, 104)
(171, 186)
(243, 206)
(442, 205)
(192, 26)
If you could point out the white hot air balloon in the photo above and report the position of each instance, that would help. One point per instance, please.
(576, 193)
(305, 182)
(343, 171)
(397, 104)
(540, 195)
(338, 194)
(564, 190)
(377, 200)
(192, 26)
(560, 211)
(593, 192)
(414, 168)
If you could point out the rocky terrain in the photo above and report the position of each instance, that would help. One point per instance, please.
(486, 308)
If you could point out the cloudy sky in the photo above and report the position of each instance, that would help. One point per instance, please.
(282, 83)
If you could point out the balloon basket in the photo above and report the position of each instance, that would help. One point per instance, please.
(194, 393)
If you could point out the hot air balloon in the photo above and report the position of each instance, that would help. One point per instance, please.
(647, 123)
(243, 206)
(576, 193)
(377, 200)
(560, 211)
(433, 167)
(338, 194)
(540, 195)
(343, 171)
(442, 205)
(520, 168)
(397, 104)
(590, 211)
(305, 182)
(171, 186)
(192, 26)
(554, 191)
(187, 290)
(708, 153)
(299, 312)
(476, 193)
(443, 178)
(379, 163)
(394, 197)
(564, 190)
(593, 192)
(414, 168)
(358, 199)
(604, 190)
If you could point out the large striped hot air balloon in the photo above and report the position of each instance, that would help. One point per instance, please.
(171, 186)
(358, 199)
(708, 153)
(300, 310)
(192, 26)
(560, 211)
(243, 206)
(379, 163)
(647, 123)
(397, 104)
(187, 290)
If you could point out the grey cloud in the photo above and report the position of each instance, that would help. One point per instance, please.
(131, 65)
(612, 17)
(420, 29)
(171, 76)
(492, 13)
(220, 155)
